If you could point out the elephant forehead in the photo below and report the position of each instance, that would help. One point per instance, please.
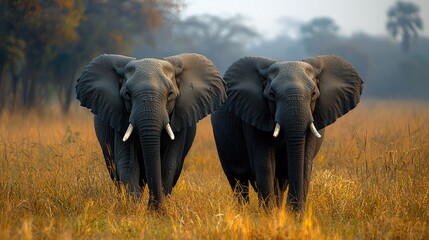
(149, 68)
(291, 67)
(293, 70)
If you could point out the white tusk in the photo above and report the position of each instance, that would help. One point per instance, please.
(314, 131)
(276, 130)
(169, 131)
(128, 132)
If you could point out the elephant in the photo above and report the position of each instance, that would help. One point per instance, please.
(145, 114)
(271, 126)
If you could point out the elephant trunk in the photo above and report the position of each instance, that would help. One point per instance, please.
(295, 155)
(149, 124)
(295, 119)
(150, 141)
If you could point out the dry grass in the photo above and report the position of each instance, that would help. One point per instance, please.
(370, 181)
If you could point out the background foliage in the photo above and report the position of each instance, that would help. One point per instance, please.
(46, 43)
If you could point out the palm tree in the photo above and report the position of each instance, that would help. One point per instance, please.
(404, 19)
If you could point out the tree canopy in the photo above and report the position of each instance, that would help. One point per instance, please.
(404, 20)
(47, 41)
(223, 40)
(319, 26)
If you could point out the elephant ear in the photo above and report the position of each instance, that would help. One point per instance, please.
(201, 87)
(245, 80)
(340, 89)
(98, 89)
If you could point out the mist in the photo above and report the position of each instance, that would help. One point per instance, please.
(42, 53)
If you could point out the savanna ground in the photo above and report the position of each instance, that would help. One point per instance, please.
(370, 181)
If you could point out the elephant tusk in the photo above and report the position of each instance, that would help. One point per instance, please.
(169, 131)
(276, 130)
(128, 132)
(314, 131)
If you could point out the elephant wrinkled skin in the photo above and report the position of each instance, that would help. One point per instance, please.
(271, 126)
(146, 112)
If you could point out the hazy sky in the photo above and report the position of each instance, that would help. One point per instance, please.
(352, 16)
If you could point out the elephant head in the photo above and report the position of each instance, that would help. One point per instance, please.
(292, 99)
(150, 97)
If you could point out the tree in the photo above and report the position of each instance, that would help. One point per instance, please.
(222, 40)
(12, 60)
(319, 26)
(319, 34)
(404, 20)
(34, 29)
(46, 41)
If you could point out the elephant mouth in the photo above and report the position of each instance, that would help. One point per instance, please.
(312, 128)
(131, 128)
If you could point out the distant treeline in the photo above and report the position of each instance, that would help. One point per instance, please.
(387, 70)
(46, 44)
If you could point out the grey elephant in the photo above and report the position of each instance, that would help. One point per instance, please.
(146, 112)
(271, 126)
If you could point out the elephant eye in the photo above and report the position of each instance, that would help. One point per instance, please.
(127, 95)
(272, 95)
(313, 95)
(127, 100)
(170, 95)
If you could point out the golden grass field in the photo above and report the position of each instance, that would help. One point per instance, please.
(370, 181)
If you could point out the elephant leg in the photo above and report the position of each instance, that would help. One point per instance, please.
(139, 157)
(240, 186)
(173, 156)
(106, 138)
(127, 165)
(262, 159)
(312, 146)
(232, 151)
(189, 139)
(281, 181)
(279, 190)
(241, 190)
